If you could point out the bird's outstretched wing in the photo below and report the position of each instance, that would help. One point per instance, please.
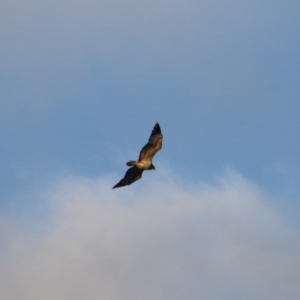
(154, 144)
(133, 174)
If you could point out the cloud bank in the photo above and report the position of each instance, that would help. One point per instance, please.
(154, 240)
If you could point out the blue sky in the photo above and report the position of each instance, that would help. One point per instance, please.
(83, 83)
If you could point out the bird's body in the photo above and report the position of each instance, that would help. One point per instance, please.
(145, 165)
(145, 159)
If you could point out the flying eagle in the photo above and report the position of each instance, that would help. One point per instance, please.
(145, 159)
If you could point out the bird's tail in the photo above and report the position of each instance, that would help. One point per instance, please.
(131, 163)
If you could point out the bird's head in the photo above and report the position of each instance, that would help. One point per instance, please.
(152, 167)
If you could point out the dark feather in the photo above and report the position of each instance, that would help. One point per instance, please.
(133, 174)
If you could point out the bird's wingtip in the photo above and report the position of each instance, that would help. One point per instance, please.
(119, 184)
(156, 129)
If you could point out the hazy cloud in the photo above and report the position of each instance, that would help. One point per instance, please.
(154, 240)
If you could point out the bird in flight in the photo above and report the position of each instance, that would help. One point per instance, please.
(145, 159)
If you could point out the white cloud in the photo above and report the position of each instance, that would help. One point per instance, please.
(154, 240)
